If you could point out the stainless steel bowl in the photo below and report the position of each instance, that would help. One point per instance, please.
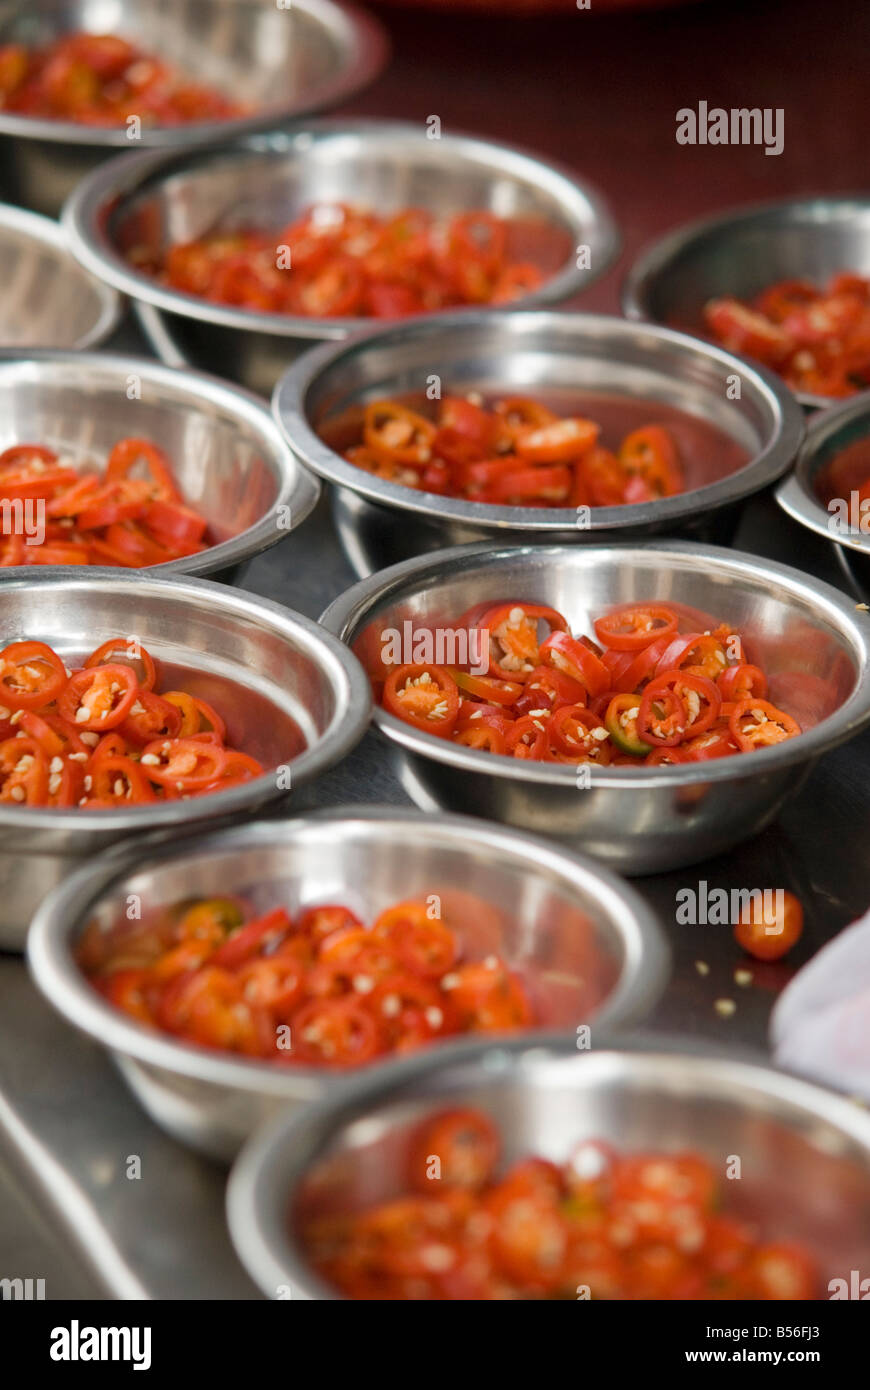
(830, 431)
(580, 358)
(284, 61)
(266, 669)
(589, 943)
(742, 252)
(227, 454)
(808, 637)
(805, 1153)
(151, 199)
(49, 300)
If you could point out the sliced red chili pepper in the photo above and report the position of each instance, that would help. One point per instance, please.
(483, 737)
(425, 697)
(151, 717)
(527, 737)
(488, 688)
(335, 1032)
(130, 454)
(558, 442)
(512, 631)
(130, 653)
(621, 723)
(575, 659)
(23, 772)
(276, 984)
(548, 687)
(98, 698)
(662, 717)
(31, 675)
(398, 432)
(741, 682)
(699, 696)
(650, 454)
(251, 938)
(182, 763)
(425, 945)
(522, 486)
(757, 724)
(576, 730)
(118, 779)
(632, 626)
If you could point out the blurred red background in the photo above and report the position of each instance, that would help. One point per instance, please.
(598, 91)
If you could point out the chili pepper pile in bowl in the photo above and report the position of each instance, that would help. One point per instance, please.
(829, 488)
(133, 704)
(73, 87)
(786, 284)
(113, 460)
(49, 299)
(272, 960)
(239, 255)
(653, 705)
(548, 1173)
(537, 426)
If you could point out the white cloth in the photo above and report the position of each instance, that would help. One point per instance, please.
(820, 1025)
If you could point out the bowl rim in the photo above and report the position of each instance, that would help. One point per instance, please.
(655, 255)
(795, 493)
(290, 396)
(360, 38)
(641, 982)
(346, 728)
(346, 616)
(296, 486)
(46, 232)
(84, 217)
(275, 1159)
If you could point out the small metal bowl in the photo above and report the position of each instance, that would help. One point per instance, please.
(229, 458)
(807, 636)
(266, 669)
(152, 199)
(804, 1153)
(590, 943)
(742, 252)
(581, 359)
(284, 61)
(830, 431)
(49, 300)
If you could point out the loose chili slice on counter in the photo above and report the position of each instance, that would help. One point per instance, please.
(768, 929)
